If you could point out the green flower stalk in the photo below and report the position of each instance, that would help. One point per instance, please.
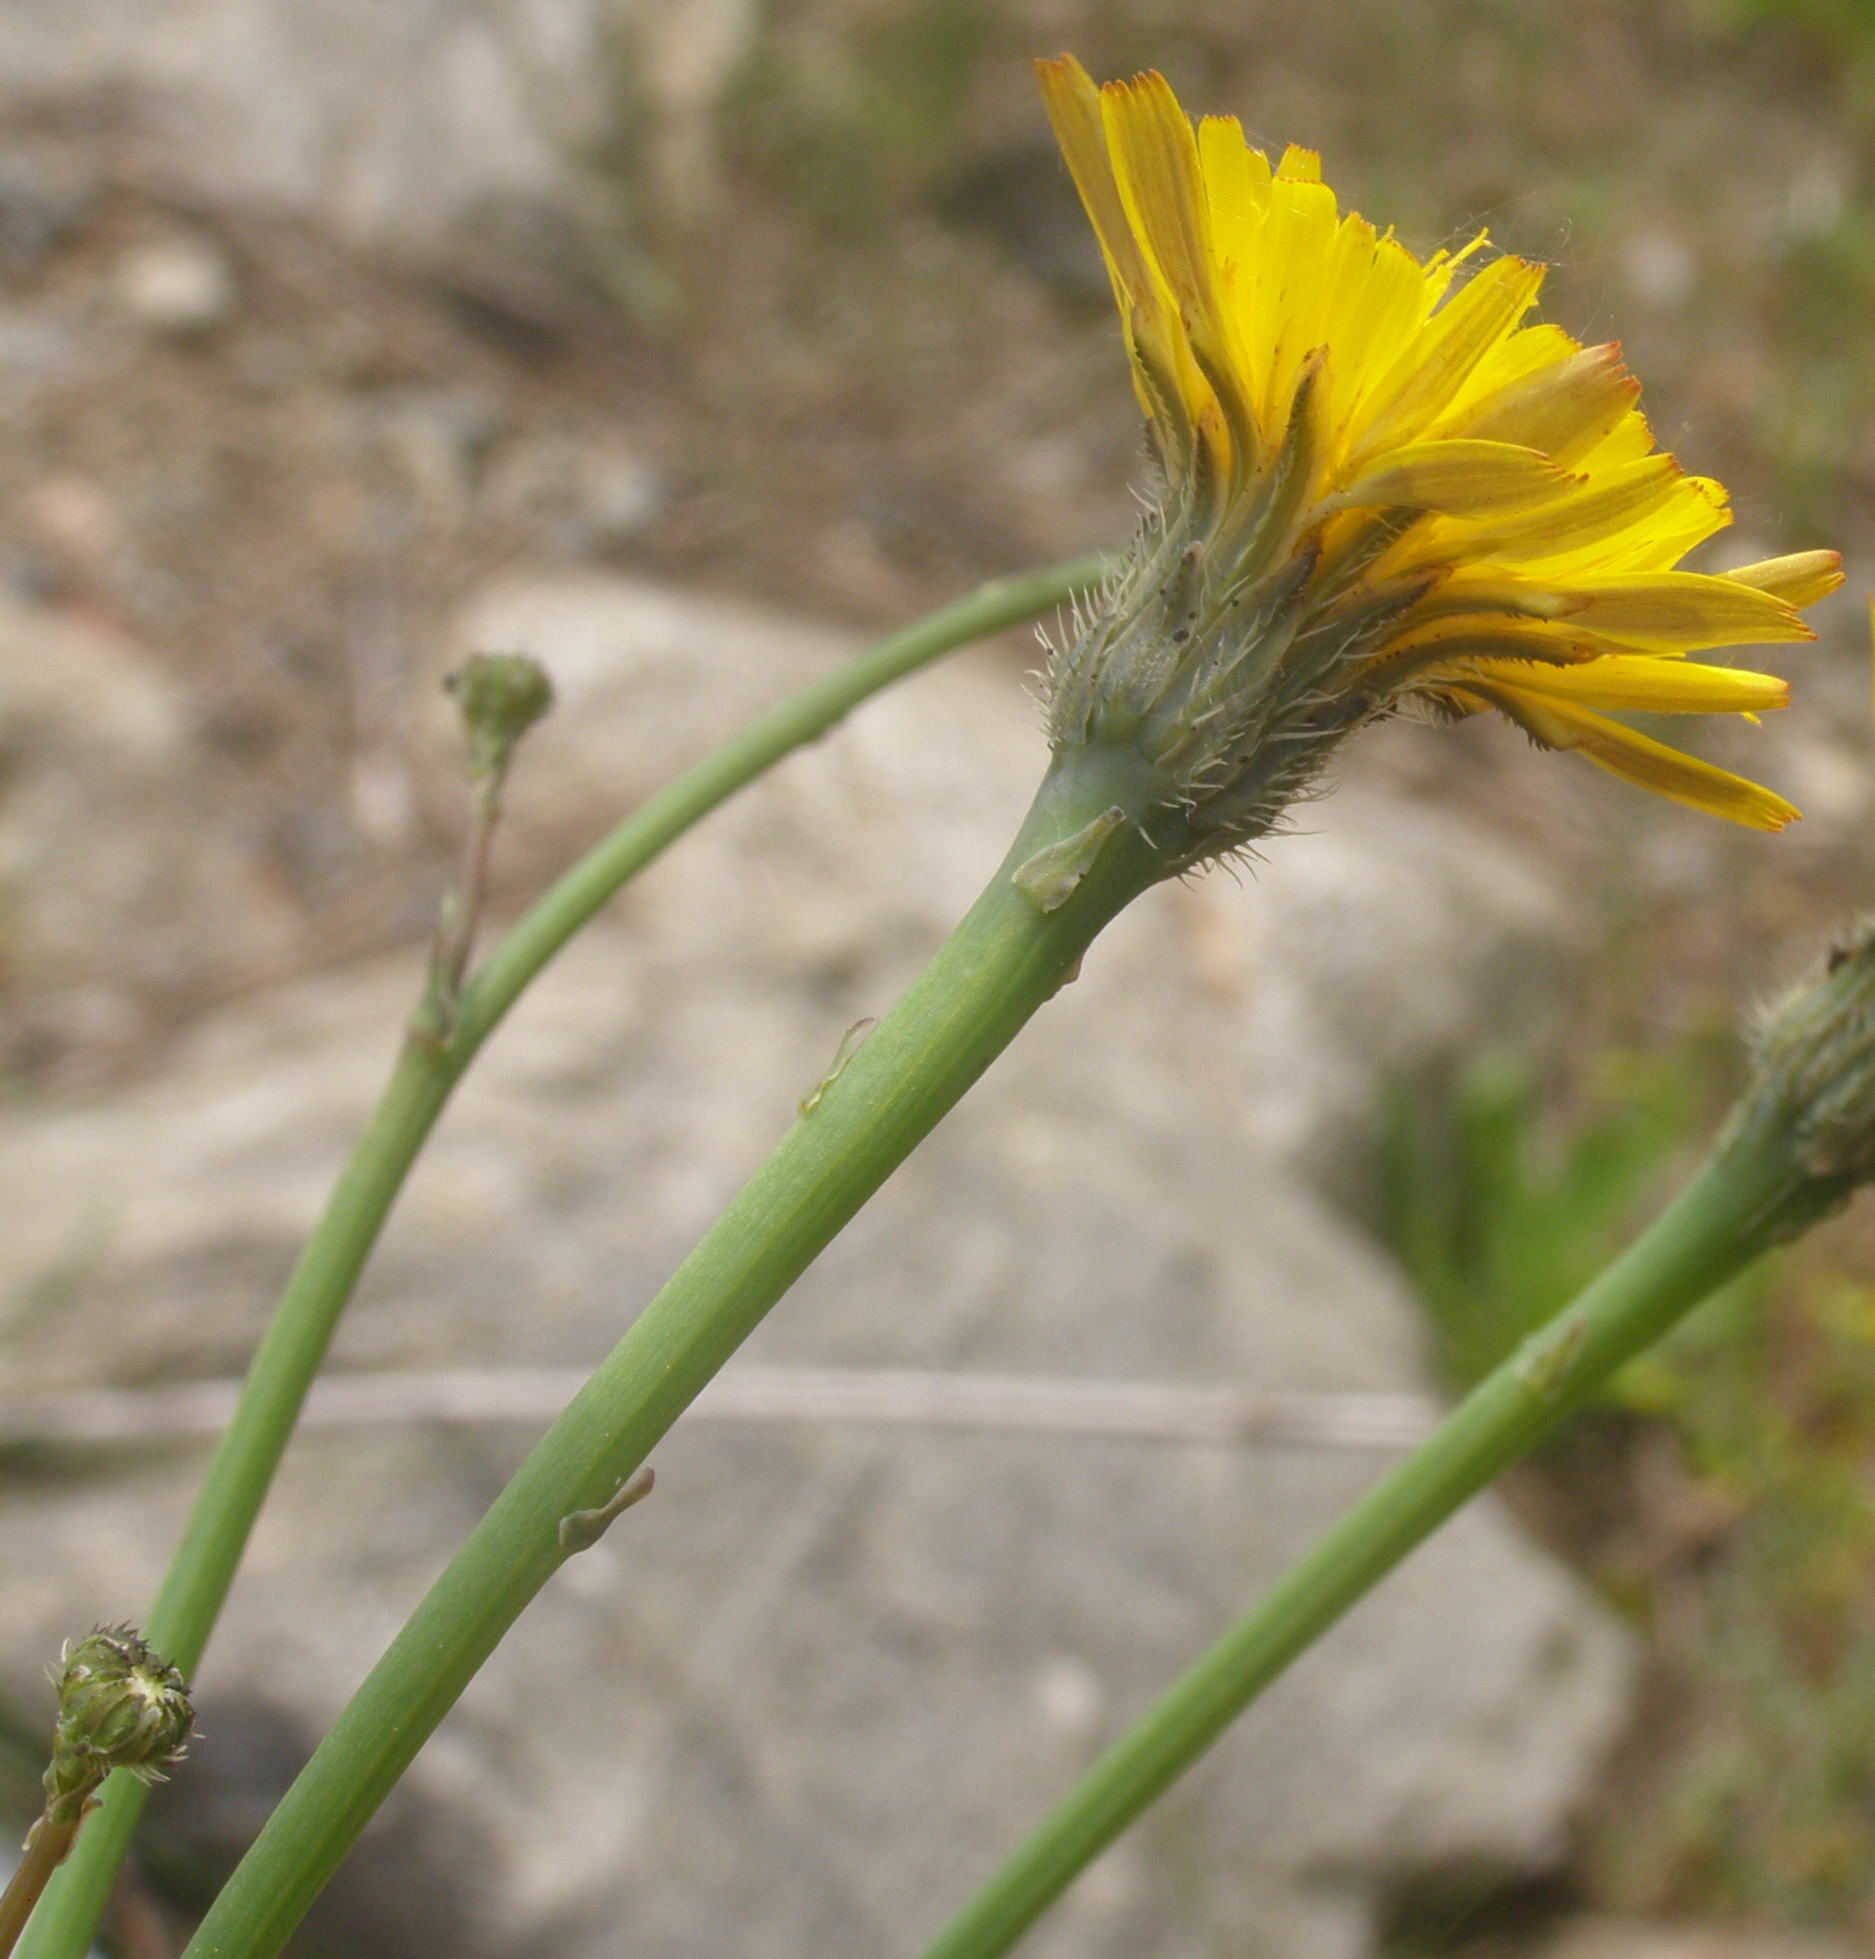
(456, 1016)
(1799, 1141)
(121, 1706)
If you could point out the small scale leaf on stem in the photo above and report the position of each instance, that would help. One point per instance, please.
(1052, 875)
(849, 1046)
(580, 1530)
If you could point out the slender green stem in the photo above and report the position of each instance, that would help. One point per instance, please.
(428, 1069)
(1743, 1198)
(249, 1451)
(460, 915)
(47, 1845)
(1006, 958)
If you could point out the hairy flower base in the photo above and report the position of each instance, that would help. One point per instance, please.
(121, 1706)
(1815, 1056)
(1377, 486)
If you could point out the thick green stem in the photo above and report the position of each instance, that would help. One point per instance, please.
(1744, 1198)
(1006, 958)
(428, 1069)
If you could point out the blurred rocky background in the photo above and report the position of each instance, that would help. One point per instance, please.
(681, 345)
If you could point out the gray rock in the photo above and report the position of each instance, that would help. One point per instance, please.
(433, 127)
(799, 1701)
(104, 916)
(402, 112)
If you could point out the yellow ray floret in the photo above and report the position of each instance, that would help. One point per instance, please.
(1464, 507)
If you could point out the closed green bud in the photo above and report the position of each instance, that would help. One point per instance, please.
(499, 696)
(1813, 1087)
(121, 1706)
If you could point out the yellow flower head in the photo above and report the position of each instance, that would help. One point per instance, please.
(1379, 485)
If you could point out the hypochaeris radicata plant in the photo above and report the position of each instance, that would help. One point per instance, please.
(1377, 487)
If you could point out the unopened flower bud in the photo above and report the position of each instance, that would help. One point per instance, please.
(121, 1706)
(1814, 1079)
(499, 696)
